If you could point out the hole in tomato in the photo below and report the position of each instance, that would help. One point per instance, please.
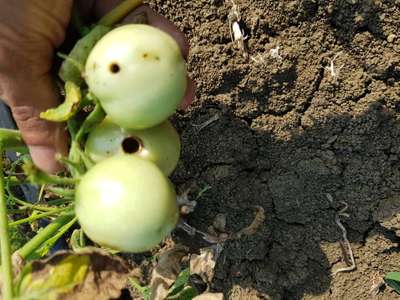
(114, 68)
(131, 145)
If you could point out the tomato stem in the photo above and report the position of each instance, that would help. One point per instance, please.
(76, 154)
(31, 206)
(7, 286)
(96, 116)
(46, 246)
(37, 217)
(12, 140)
(74, 62)
(44, 235)
(74, 167)
(119, 12)
(37, 176)
(66, 193)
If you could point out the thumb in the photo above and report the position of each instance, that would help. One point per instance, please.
(44, 139)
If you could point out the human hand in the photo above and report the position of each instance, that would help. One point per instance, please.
(30, 31)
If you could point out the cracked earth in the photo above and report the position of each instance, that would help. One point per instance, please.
(288, 134)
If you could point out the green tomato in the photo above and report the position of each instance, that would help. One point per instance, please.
(138, 74)
(159, 144)
(126, 203)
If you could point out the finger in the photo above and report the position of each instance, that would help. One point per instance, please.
(100, 8)
(189, 95)
(44, 139)
(162, 23)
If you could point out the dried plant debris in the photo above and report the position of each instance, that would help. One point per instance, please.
(259, 219)
(345, 246)
(210, 296)
(215, 238)
(208, 122)
(166, 272)
(204, 263)
(87, 274)
(238, 35)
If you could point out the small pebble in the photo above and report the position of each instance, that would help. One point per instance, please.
(391, 38)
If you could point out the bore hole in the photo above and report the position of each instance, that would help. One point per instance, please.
(130, 145)
(114, 68)
(145, 55)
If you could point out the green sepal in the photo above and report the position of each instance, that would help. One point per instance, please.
(72, 67)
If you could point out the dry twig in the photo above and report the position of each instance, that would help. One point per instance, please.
(347, 253)
(237, 33)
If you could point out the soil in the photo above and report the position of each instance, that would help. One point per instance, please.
(287, 134)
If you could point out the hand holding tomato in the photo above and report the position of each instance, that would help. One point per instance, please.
(30, 31)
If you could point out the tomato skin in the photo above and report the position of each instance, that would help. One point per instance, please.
(138, 74)
(160, 144)
(126, 203)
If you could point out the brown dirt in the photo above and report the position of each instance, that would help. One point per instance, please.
(288, 134)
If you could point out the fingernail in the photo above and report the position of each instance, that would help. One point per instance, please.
(44, 158)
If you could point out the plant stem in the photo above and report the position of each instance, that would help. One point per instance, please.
(74, 62)
(37, 217)
(37, 176)
(44, 235)
(119, 12)
(74, 167)
(95, 117)
(12, 139)
(7, 287)
(59, 201)
(32, 206)
(66, 193)
(53, 179)
(46, 246)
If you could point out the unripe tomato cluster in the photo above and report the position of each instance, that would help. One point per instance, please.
(126, 201)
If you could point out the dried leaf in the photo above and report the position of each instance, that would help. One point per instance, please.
(71, 69)
(85, 275)
(210, 296)
(68, 108)
(166, 272)
(50, 282)
(188, 293)
(204, 264)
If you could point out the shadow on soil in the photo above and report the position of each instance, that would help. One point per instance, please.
(290, 178)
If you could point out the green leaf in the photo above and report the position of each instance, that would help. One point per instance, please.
(59, 279)
(17, 238)
(180, 282)
(68, 108)
(187, 293)
(144, 291)
(392, 279)
(72, 67)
